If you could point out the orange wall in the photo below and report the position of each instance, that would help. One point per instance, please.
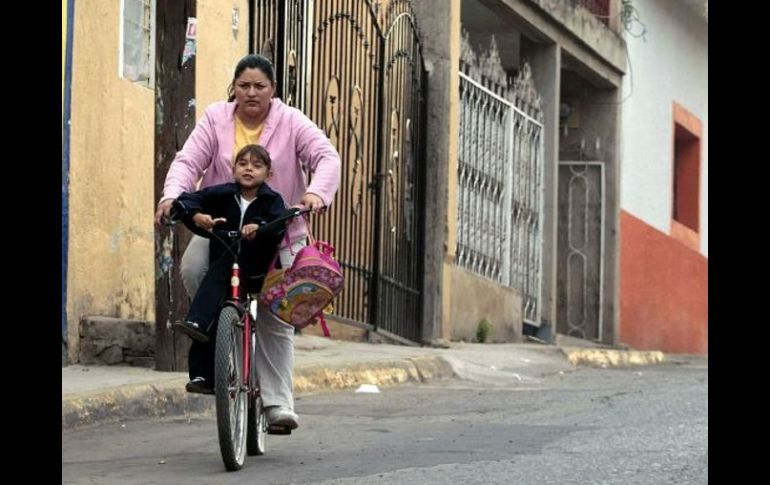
(663, 291)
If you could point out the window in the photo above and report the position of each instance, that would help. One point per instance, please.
(137, 52)
(686, 191)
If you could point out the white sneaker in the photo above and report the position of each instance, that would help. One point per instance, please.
(282, 416)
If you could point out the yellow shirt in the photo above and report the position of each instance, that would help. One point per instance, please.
(246, 136)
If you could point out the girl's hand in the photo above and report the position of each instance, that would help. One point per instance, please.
(204, 221)
(249, 231)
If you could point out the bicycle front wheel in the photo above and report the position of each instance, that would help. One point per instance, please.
(231, 395)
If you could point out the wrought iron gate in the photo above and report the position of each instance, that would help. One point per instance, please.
(500, 174)
(355, 67)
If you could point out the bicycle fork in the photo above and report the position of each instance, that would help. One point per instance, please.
(235, 295)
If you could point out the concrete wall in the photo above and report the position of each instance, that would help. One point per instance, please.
(545, 61)
(576, 31)
(587, 28)
(670, 66)
(111, 267)
(111, 341)
(476, 298)
(439, 22)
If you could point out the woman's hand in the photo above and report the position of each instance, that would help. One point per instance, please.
(312, 202)
(164, 209)
(204, 221)
(249, 231)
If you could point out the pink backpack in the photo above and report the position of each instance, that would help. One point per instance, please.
(298, 295)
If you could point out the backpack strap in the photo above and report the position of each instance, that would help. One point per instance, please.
(324, 326)
(310, 239)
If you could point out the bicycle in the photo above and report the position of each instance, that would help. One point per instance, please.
(241, 420)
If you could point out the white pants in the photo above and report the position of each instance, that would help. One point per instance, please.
(275, 356)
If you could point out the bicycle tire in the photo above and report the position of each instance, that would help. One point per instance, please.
(231, 398)
(257, 428)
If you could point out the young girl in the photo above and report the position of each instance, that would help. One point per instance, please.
(241, 206)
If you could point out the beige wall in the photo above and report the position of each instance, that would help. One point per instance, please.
(476, 298)
(111, 242)
(110, 266)
(219, 50)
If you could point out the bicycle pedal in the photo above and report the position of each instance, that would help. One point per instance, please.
(277, 429)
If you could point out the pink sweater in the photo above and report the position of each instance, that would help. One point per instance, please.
(293, 141)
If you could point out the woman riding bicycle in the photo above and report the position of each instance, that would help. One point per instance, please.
(295, 144)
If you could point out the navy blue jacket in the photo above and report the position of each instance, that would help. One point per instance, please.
(223, 201)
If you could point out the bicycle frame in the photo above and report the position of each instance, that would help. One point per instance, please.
(248, 321)
(235, 300)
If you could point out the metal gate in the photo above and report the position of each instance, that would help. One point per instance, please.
(580, 250)
(355, 67)
(500, 174)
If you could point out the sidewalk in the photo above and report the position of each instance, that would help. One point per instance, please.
(96, 394)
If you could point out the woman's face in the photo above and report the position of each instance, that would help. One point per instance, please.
(253, 92)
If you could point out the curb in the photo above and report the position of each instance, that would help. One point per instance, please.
(612, 358)
(139, 400)
(168, 398)
(416, 369)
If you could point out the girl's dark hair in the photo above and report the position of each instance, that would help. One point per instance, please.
(252, 61)
(256, 151)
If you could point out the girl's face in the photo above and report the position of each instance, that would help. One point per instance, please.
(250, 171)
(253, 92)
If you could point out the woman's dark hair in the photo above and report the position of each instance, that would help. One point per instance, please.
(256, 151)
(252, 61)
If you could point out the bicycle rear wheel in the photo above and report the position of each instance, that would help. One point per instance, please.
(231, 394)
(257, 424)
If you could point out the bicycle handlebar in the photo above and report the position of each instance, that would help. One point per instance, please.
(229, 237)
(290, 213)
